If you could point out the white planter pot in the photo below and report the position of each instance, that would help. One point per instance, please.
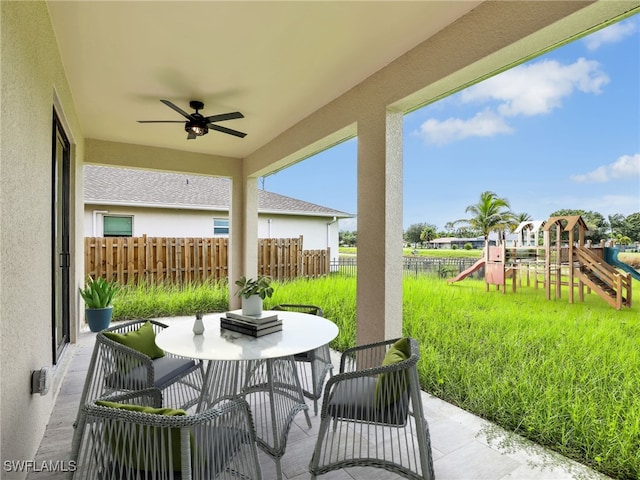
(252, 305)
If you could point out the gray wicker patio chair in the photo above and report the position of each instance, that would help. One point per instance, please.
(372, 413)
(116, 368)
(165, 444)
(314, 365)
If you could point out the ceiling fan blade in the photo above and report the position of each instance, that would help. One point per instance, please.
(224, 116)
(227, 130)
(160, 121)
(176, 108)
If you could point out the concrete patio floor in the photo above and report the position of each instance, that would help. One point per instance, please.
(464, 446)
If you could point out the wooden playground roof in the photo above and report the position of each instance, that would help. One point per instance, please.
(572, 221)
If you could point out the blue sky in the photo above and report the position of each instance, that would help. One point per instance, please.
(561, 131)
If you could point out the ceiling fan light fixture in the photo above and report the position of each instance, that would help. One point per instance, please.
(196, 129)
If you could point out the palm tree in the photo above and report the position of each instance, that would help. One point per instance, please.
(489, 214)
(428, 233)
(518, 218)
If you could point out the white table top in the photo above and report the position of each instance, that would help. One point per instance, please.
(300, 332)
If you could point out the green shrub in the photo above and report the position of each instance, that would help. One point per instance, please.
(447, 271)
(468, 246)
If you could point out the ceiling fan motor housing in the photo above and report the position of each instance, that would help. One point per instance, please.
(196, 105)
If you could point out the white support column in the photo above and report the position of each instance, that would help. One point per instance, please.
(250, 253)
(379, 292)
(243, 233)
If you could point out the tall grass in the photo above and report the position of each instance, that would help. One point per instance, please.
(567, 376)
(169, 300)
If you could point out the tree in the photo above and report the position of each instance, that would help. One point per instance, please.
(412, 233)
(622, 239)
(449, 228)
(616, 223)
(491, 213)
(348, 239)
(428, 233)
(461, 232)
(631, 227)
(595, 221)
(518, 218)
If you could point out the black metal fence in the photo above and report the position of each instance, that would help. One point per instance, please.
(414, 266)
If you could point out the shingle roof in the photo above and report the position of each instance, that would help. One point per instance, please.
(126, 186)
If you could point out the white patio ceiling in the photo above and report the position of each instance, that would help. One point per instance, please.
(276, 62)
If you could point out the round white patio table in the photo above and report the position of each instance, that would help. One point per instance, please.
(260, 369)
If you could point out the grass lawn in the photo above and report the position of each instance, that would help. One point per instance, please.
(423, 252)
(630, 258)
(567, 376)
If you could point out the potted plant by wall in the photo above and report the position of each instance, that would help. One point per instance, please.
(253, 291)
(98, 295)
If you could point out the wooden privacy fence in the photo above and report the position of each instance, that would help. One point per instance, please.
(181, 260)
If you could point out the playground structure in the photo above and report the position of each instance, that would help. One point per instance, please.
(554, 254)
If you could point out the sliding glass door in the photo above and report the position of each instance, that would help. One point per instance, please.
(60, 238)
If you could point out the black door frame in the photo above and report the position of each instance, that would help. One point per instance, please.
(61, 260)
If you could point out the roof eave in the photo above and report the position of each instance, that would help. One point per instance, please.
(214, 208)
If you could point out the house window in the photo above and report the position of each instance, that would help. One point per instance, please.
(115, 226)
(220, 227)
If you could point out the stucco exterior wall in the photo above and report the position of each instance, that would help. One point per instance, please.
(32, 80)
(318, 232)
(154, 222)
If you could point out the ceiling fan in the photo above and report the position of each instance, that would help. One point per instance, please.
(197, 124)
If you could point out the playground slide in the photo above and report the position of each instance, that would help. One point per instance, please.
(465, 273)
(611, 257)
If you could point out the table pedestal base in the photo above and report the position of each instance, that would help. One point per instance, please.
(272, 389)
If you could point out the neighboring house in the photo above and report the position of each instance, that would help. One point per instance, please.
(510, 239)
(123, 202)
(449, 242)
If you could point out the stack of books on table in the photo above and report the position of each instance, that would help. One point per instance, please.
(254, 325)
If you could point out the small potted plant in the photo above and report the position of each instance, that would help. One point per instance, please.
(253, 291)
(98, 296)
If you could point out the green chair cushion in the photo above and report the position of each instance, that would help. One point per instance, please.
(391, 386)
(132, 454)
(143, 340)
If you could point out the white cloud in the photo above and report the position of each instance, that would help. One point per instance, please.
(624, 167)
(483, 124)
(611, 34)
(537, 88)
(527, 90)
